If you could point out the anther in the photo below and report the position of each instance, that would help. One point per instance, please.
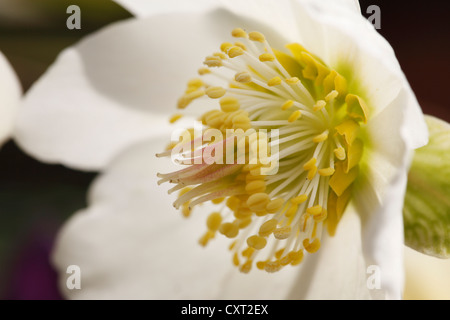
(243, 77)
(275, 81)
(319, 105)
(215, 92)
(295, 116)
(235, 52)
(265, 57)
(288, 104)
(256, 242)
(239, 33)
(256, 36)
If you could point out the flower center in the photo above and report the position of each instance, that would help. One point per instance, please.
(293, 103)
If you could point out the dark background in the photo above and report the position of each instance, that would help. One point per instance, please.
(35, 198)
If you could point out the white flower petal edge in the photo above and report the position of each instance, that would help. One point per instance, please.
(144, 8)
(10, 94)
(131, 245)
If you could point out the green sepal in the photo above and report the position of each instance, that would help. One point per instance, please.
(427, 202)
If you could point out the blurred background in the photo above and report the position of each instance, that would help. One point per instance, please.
(36, 198)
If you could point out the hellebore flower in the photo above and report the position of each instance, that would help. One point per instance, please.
(10, 94)
(315, 70)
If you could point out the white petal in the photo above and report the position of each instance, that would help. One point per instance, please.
(115, 87)
(144, 8)
(10, 94)
(336, 271)
(131, 244)
(380, 195)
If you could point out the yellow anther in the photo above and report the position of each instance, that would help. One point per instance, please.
(229, 104)
(326, 172)
(236, 259)
(244, 223)
(256, 36)
(285, 260)
(275, 81)
(296, 257)
(288, 104)
(321, 137)
(248, 252)
(175, 117)
(224, 47)
(313, 246)
(267, 227)
(312, 173)
(221, 55)
(272, 266)
(212, 61)
(240, 45)
(239, 33)
(185, 100)
(228, 229)
(256, 186)
(256, 242)
(339, 153)
(279, 253)
(266, 57)
(314, 210)
(274, 205)
(240, 119)
(282, 233)
(310, 164)
(217, 200)
(295, 116)
(331, 96)
(292, 80)
(203, 71)
(235, 52)
(215, 92)
(214, 220)
(185, 210)
(357, 108)
(260, 265)
(243, 77)
(299, 199)
(246, 267)
(291, 211)
(321, 216)
(203, 241)
(197, 83)
(233, 203)
(319, 105)
(258, 201)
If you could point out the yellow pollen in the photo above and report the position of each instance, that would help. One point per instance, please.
(296, 257)
(282, 233)
(228, 229)
(319, 105)
(288, 104)
(292, 80)
(321, 137)
(314, 210)
(274, 205)
(326, 172)
(258, 201)
(266, 57)
(224, 47)
(313, 246)
(272, 266)
(214, 220)
(246, 267)
(295, 116)
(255, 187)
(312, 173)
(203, 71)
(267, 227)
(292, 210)
(243, 77)
(185, 100)
(197, 83)
(239, 33)
(235, 52)
(310, 164)
(215, 92)
(256, 36)
(212, 61)
(240, 45)
(339, 153)
(256, 242)
(331, 96)
(321, 216)
(299, 199)
(221, 55)
(175, 117)
(275, 81)
(229, 104)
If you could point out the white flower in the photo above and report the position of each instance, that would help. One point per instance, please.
(10, 94)
(107, 98)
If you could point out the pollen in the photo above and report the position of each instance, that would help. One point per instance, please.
(276, 151)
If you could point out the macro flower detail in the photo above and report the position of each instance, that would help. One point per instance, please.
(319, 119)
